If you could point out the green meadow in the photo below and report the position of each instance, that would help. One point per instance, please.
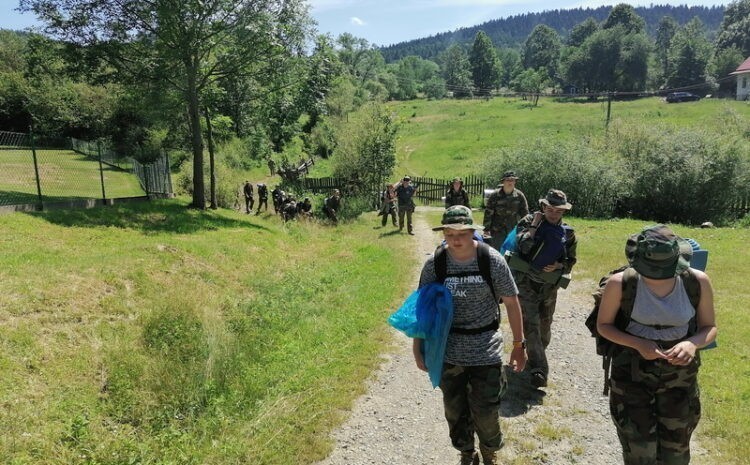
(63, 174)
(444, 138)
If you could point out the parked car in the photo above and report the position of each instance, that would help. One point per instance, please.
(676, 97)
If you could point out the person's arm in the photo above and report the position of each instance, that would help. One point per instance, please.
(523, 207)
(605, 323)
(683, 352)
(515, 320)
(526, 230)
(416, 348)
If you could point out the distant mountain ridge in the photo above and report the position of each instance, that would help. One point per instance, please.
(513, 30)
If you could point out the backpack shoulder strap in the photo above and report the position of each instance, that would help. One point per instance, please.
(485, 266)
(441, 264)
(692, 287)
(629, 287)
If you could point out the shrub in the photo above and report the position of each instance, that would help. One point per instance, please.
(579, 168)
(679, 175)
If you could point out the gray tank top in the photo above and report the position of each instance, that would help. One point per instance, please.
(661, 318)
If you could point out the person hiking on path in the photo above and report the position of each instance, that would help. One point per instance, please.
(247, 190)
(277, 195)
(405, 193)
(331, 205)
(654, 396)
(473, 380)
(262, 198)
(389, 207)
(271, 166)
(546, 249)
(456, 195)
(505, 208)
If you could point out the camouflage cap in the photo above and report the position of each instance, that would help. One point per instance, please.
(457, 179)
(658, 253)
(556, 198)
(508, 175)
(458, 217)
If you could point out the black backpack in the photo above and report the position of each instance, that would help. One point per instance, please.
(606, 348)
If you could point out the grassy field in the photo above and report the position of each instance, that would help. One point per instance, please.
(444, 138)
(156, 334)
(64, 174)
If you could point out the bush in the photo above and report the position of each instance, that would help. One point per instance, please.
(681, 176)
(579, 168)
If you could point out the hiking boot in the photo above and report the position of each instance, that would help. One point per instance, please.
(469, 457)
(489, 457)
(538, 379)
(411, 233)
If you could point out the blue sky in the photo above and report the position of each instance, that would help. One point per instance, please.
(385, 22)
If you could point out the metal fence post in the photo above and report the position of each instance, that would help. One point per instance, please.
(40, 205)
(101, 169)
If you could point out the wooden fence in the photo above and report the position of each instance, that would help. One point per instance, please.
(432, 190)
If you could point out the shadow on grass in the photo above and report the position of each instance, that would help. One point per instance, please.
(148, 217)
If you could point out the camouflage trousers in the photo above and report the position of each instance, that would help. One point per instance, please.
(655, 407)
(497, 237)
(407, 210)
(471, 397)
(538, 302)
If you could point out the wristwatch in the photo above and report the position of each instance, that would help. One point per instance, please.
(519, 344)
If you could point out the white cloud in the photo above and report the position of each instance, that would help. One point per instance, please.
(356, 21)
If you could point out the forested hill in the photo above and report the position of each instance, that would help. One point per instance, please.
(512, 31)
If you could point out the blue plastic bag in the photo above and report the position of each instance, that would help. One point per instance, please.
(509, 244)
(427, 314)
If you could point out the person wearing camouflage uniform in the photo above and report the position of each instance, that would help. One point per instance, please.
(473, 380)
(654, 397)
(456, 195)
(505, 207)
(548, 246)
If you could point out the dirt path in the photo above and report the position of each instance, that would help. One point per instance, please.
(400, 419)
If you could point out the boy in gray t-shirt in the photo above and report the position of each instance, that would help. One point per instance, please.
(472, 379)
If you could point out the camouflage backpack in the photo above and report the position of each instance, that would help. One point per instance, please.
(606, 348)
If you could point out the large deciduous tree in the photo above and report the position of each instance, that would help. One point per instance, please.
(735, 27)
(689, 56)
(186, 43)
(542, 50)
(485, 66)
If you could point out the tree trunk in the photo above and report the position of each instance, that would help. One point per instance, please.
(199, 190)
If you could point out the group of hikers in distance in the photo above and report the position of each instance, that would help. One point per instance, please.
(286, 205)
(656, 314)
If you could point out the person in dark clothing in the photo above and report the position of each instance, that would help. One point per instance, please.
(331, 205)
(389, 207)
(262, 198)
(304, 208)
(247, 189)
(405, 192)
(456, 195)
(278, 196)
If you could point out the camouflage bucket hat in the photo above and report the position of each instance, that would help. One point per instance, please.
(658, 253)
(557, 199)
(458, 217)
(509, 175)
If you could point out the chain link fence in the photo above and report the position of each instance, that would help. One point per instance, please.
(32, 177)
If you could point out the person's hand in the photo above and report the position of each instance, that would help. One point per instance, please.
(537, 218)
(552, 267)
(518, 359)
(649, 350)
(681, 354)
(418, 358)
